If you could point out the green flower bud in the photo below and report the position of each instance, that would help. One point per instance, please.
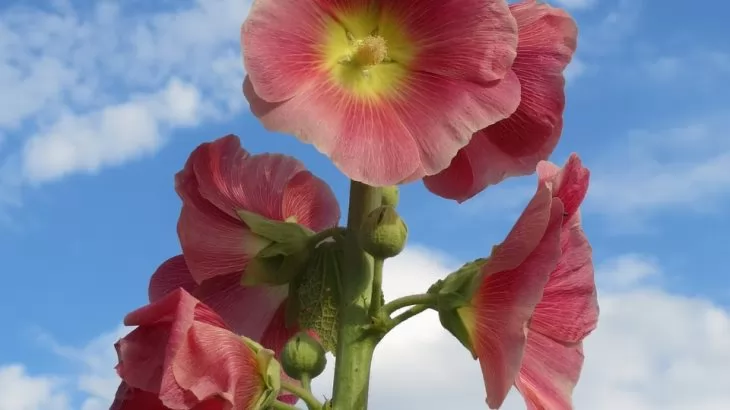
(303, 355)
(391, 195)
(383, 233)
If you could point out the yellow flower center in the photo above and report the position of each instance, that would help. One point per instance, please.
(369, 51)
(367, 54)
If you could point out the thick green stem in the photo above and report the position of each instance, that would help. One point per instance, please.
(304, 393)
(355, 345)
(427, 299)
(376, 301)
(277, 405)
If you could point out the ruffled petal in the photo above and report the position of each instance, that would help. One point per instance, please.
(387, 141)
(146, 354)
(311, 202)
(171, 275)
(515, 145)
(215, 362)
(472, 40)
(503, 305)
(568, 311)
(550, 370)
(248, 311)
(129, 398)
(280, 39)
(570, 184)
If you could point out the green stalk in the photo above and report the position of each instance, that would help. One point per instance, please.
(376, 300)
(304, 392)
(355, 346)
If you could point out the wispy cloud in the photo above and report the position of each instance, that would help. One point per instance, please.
(84, 89)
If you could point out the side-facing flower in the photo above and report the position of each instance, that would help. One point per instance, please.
(502, 291)
(387, 93)
(514, 146)
(257, 312)
(220, 179)
(568, 311)
(182, 356)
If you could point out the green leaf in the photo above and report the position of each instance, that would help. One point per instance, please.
(276, 231)
(452, 321)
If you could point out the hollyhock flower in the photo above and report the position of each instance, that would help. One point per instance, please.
(387, 93)
(514, 146)
(568, 311)
(221, 178)
(181, 356)
(257, 312)
(508, 287)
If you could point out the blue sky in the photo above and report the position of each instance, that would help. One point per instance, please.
(101, 103)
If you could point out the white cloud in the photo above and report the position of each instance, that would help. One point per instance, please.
(683, 167)
(653, 350)
(21, 391)
(88, 88)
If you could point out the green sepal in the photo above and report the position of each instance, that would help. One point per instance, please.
(454, 297)
(452, 321)
(270, 372)
(277, 264)
(275, 231)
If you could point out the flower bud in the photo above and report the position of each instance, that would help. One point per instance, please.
(383, 233)
(303, 355)
(391, 195)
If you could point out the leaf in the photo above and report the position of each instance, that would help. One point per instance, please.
(276, 231)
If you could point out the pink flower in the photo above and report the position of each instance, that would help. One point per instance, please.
(182, 356)
(257, 312)
(568, 311)
(387, 93)
(221, 178)
(510, 285)
(514, 146)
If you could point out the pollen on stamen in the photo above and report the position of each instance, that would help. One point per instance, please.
(370, 51)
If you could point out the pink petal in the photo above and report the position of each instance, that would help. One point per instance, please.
(311, 201)
(148, 352)
(215, 244)
(471, 40)
(514, 146)
(525, 236)
(214, 362)
(171, 275)
(570, 184)
(393, 139)
(280, 39)
(248, 311)
(568, 311)
(503, 305)
(128, 398)
(550, 371)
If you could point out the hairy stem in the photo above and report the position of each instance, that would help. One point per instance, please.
(427, 299)
(355, 345)
(304, 393)
(376, 301)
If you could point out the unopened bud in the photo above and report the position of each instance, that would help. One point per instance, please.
(303, 355)
(383, 233)
(391, 195)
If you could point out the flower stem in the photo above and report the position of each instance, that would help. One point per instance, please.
(277, 405)
(355, 345)
(413, 311)
(304, 393)
(427, 299)
(376, 301)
